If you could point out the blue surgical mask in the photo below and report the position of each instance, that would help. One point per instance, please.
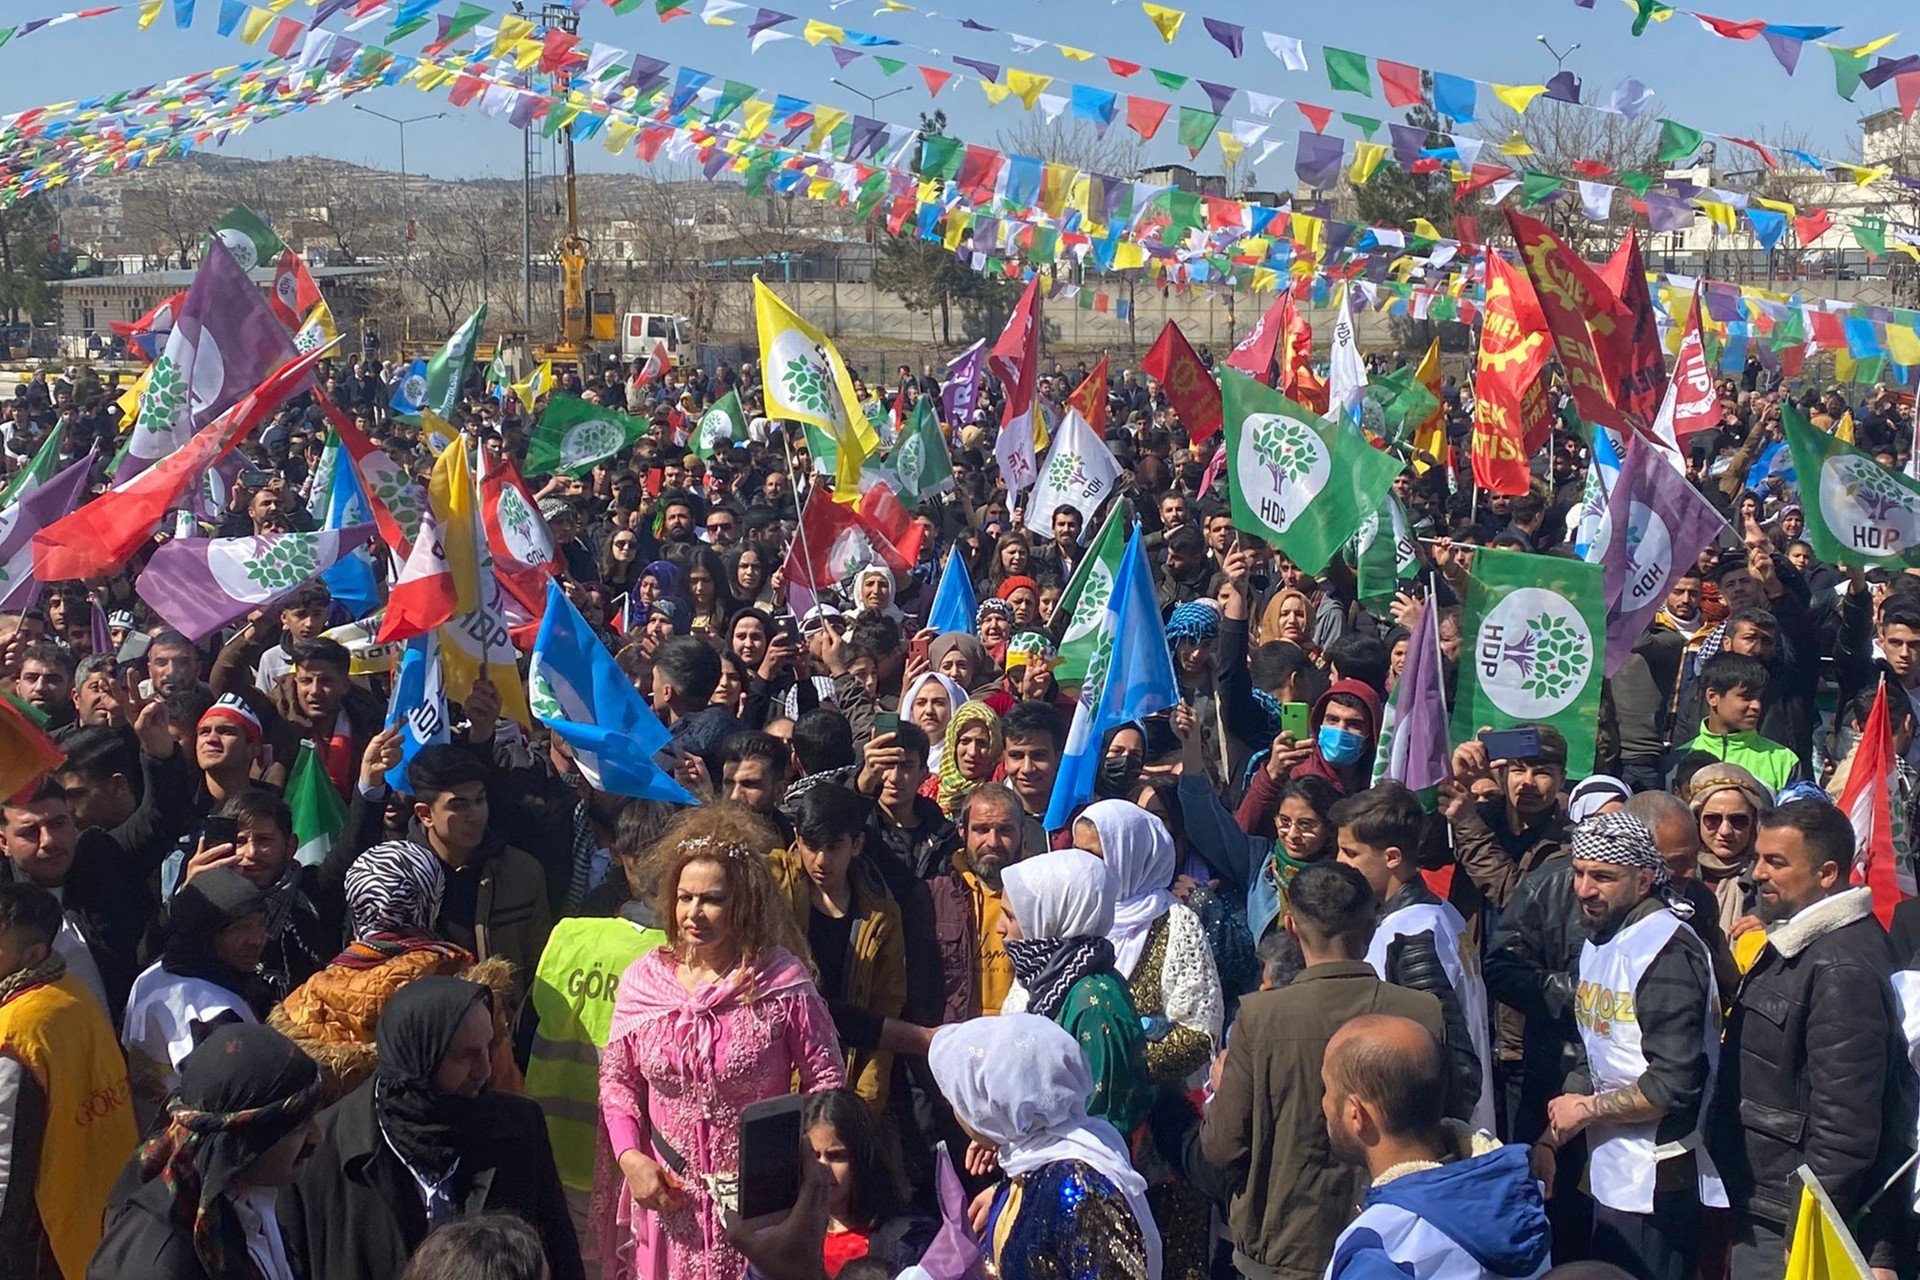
(1340, 747)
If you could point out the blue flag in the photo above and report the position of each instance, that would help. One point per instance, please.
(1775, 463)
(410, 393)
(353, 580)
(954, 605)
(580, 693)
(418, 705)
(1129, 677)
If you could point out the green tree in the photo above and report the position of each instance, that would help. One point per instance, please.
(31, 255)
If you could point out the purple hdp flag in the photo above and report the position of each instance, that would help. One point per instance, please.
(19, 589)
(961, 391)
(201, 584)
(224, 343)
(1666, 523)
(1418, 755)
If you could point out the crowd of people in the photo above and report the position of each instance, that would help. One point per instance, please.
(1256, 1010)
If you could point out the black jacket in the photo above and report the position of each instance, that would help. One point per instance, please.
(1533, 967)
(355, 1213)
(1413, 961)
(144, 1241)
(1814, 1069)
(108, 892)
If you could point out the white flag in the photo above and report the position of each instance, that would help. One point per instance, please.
(1080, 472)
(1347, 372)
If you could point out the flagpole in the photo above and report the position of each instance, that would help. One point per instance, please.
(800, 521)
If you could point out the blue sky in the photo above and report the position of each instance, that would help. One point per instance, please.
(1702, 80)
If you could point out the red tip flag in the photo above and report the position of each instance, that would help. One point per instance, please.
(1090, 398)
(836, 541)
(294, 293)
(25, 751)
(1867, 800)
(105, 533)
(1191, 390)
(424, 595)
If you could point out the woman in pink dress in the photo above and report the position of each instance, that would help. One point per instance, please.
(722, 1016)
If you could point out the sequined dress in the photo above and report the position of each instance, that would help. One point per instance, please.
(1064, 1221)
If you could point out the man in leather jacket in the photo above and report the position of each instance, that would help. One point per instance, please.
(1813, 1070)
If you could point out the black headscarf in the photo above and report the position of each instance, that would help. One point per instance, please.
(425, 1124)
(242, 1090)
(200, 909)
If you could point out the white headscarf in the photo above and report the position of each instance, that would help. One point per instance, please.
(1020, 1081)
(936, 742)
(1139, 853)
(1063, 894)
(893, 592)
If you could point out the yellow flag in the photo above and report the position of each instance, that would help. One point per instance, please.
(1517, 145)
(450, 493)
(1721, 215)
(1903, 344)
(1431, 435)
(317, 330)
(1166, 21)
(1027, 85)
(1822, 1249)
(149, 10)
(1843, 429)
(1425, 230)
(1078, 55)
(1518, 97)
(255, 24)
(1871, 46)
(129, 400)
(538, 383)
(1366, 158)
(804, 378)
(816, 31)
(996, 92)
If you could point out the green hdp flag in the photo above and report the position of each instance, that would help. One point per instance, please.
(319, 814)
(823, 449)
(1858, 512)
(1347, 71)
(722, 423)
(447, 368)
(1084, 601)
(1196, 126)
(1533, 649)
(1396, 403)
(1384, 555)
(1295, 479)
(46, 460)
(248, 238)
(920, 462)
(573, 434)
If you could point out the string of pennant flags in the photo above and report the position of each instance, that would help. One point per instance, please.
(1784, 40)
(1320, 161)
(331, 70)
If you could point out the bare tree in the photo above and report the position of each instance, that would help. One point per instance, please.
(169, 214)
(1563, 140)
(1063, 140)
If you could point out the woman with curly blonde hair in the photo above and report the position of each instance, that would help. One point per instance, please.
(724, 1015)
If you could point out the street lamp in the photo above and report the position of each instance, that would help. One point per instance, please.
(1559, 59)
(406, 212)
(873, 101)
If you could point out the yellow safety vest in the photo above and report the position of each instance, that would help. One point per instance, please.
(58, 1033)
(573, 993)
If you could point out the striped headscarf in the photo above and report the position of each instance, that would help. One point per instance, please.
(1195, 620)
(1623, 840)
(953, 785)
(395, 887)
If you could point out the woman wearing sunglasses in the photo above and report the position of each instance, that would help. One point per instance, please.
(1727, 801)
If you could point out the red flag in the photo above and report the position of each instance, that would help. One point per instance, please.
(1254, 354)
(105, 533)
(881, 512)
(1015, 356)
(1592, 330)
(1808, 227)
(424, 595)
(26, 752)
(1090, 398)
(1191, 390)
(1695, 400)
(1298, 382)
(517, 536)
(146, 335)
(655, 366)
(294, 293)
(835, 541)
(384, 482)
(1626, 275)
(1508, 398)
(1867, 800)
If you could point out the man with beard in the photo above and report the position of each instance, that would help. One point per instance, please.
(967, 903)
(1813, 1071)
(422, 1143)
(1649, 1028)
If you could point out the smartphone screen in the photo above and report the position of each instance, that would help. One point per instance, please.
(770, 1156)
(1511, 744)
(217, 831)
(1296, 718)
(885, 722)
(656, 477)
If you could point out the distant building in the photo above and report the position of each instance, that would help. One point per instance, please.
(91, 304)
